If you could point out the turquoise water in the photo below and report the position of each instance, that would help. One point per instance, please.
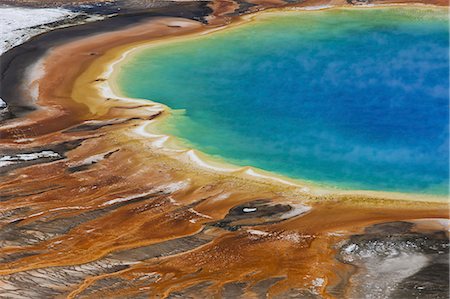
(352, 98)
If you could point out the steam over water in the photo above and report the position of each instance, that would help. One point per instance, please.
(352, 98)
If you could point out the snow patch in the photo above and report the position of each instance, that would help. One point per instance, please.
(291, 237)
(297, 209)
(169, 188)
(127, 198)
(34, 156)
(8, 160)
(257, 232)
(20, 24)
(350, 248)
(93, 159)
(173, 187)
(318, 282)
(221, 197)
(199, 214)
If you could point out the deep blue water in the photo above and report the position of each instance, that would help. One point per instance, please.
(348, 98)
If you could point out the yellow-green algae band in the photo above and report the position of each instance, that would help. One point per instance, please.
(431, 17)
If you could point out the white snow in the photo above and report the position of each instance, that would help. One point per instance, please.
(7, 160)
(168, 188)
(297, 209)
(2, 104)
(318, 282)
(199, 214)
(172, 187)
(127, 198)
(93, 159)
(257, 232)
(221, 197)
(248, 210)
(350, 248)
(20, 24)
(292, 237)
(34, 156)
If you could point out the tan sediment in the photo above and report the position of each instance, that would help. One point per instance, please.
(92, 215)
